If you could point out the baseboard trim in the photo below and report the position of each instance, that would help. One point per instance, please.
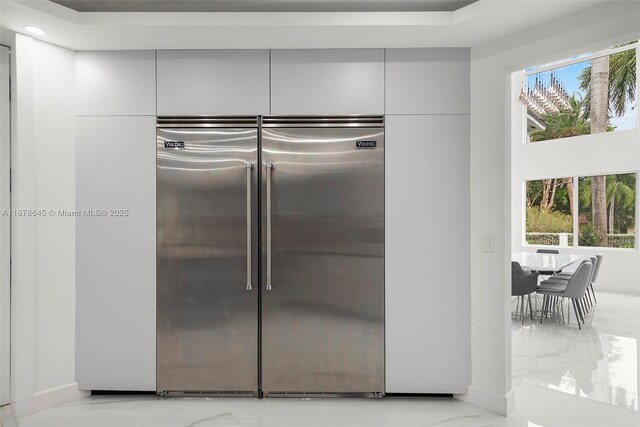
(627, 290)
(47, 399)
(501, 404)
(7, 417)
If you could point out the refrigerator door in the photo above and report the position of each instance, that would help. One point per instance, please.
(323, 260)
(207, 298)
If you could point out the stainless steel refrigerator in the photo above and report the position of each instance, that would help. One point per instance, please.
(270, 268)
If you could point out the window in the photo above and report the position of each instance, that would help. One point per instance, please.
(605, 217)
(549, 212)
(592, 93)
(595, 92)
(607, 206)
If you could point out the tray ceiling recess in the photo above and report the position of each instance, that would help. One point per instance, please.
(264, 5)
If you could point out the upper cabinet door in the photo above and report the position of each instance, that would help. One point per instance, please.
(427, 81)
(213, 82)
(116, 83)
(327, 81)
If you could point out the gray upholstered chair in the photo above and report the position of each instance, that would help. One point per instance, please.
(523, 284)
(595, 276)
(555, 290)
(588, 302)
(547, 251)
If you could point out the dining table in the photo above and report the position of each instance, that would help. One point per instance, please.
(549, 263)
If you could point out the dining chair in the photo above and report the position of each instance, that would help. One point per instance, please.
(547, 251)
(554, 290)
(595, 276)
(587, 303)
(523, 284)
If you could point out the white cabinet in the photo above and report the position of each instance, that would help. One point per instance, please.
(213, 82)
(5, 227)
(427, 254)
(427, 81)
(115, 255)
(111, 83)
(327, 81)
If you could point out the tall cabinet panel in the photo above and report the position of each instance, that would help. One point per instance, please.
(116, 240)
(427, 253)
(5, 228)
(427, 220)
(213, 82)
(327, 81)
(116, 289)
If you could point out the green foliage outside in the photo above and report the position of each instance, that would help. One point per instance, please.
(541, 193)
(627, 241)
(589, 236)
(541, 221)
(548, 239)
(621, 201)
(563, 125)
(622, 83)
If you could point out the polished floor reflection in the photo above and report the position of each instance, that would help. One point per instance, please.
(562, 377)
(589, 375)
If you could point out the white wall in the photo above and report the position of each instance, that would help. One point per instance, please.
(43, 248)
(587, 155)
(491, 66)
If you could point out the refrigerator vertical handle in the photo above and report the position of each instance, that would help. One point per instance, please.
(268, 167)
(249, 168)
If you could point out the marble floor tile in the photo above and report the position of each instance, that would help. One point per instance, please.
(567, 376)
(562, 376)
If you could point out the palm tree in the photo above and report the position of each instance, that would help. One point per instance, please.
(610, 86)
(622, 83)
(621, 200)
(564, 124)
(620, 196)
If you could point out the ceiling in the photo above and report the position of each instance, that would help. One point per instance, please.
(483, 22)
(264, 5)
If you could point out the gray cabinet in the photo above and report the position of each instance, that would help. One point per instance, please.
(110, 83)
(427, 254)
(213, 82)
(327, 81)
(115, 254)
(427, 81)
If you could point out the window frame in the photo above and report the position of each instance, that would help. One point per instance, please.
(572, 61)
(576, 212)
